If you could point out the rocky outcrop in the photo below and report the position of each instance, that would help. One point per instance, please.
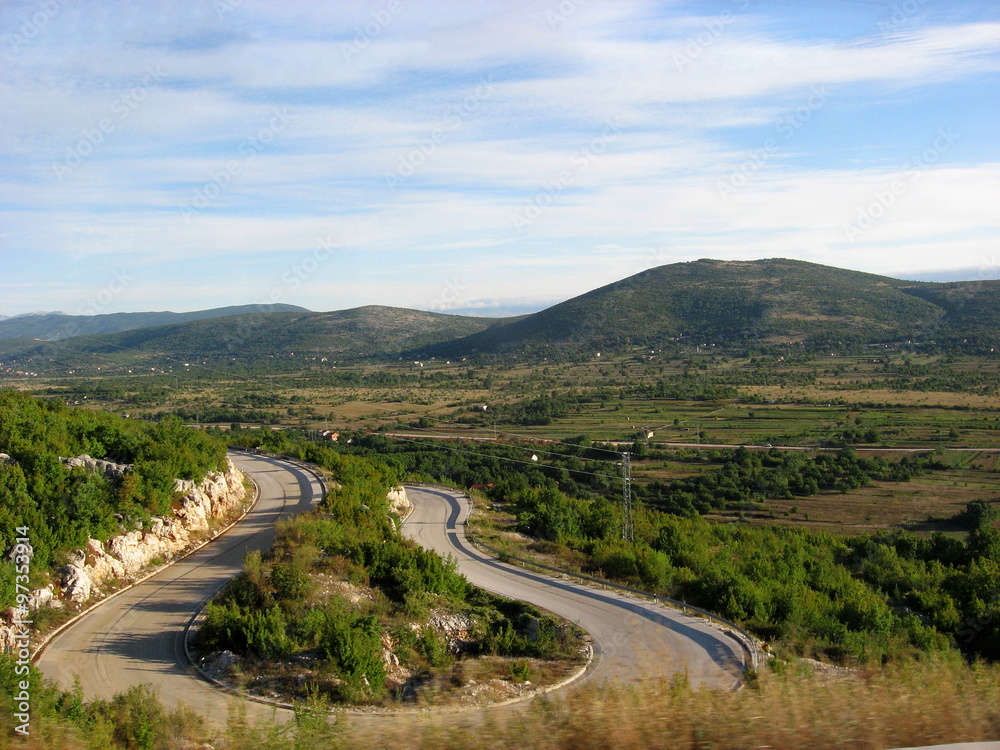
(399, 503)
(8, 641)
(122, 558)
(43, 598)
(221, 665)
(456, 628)
(108, 468)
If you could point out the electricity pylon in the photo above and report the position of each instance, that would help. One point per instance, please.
(628, 530)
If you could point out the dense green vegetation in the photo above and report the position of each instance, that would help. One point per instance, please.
(63, 507)
(747, 477)
(868, 598)
(688, 388)
(738, 304)
(809, 592)
(274, 610)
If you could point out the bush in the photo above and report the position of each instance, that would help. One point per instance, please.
(289, 582)
(354, 644)
(137, 717)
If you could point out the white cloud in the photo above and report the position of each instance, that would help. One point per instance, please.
(538, 139)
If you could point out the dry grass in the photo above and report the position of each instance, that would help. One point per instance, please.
(923, 505)
(916, 704)
(919, 704)
(828, 391)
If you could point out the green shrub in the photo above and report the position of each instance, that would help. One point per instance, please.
(354, 644)
(289, 582)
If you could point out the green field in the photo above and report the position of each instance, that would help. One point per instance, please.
(875, 403)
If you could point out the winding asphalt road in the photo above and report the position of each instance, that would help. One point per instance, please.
(137, 636)
(635, 640)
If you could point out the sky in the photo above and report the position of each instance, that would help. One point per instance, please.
(483, 157)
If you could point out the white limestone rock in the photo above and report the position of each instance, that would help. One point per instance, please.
(125, 556)
(399, 503)
(98, 466)
(76, 584)
(39, 598)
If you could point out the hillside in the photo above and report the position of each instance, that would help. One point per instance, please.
(64, 507)
(347, 335)
(728, 302)
(723, 303)
(57, 326)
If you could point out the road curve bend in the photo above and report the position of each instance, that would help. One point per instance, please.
(138, 636)
(635, 640)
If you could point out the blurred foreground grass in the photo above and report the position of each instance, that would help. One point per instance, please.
(929, 702)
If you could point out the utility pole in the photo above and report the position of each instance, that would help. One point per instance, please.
(628, 530)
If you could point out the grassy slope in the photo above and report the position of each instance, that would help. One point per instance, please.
(725, 301)
(372, 331)
(55, 326)
(705, 301)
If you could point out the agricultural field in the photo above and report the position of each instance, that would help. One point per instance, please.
(686, 405)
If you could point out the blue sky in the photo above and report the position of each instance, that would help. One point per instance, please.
(481, 156)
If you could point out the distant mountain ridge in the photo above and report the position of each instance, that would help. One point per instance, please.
(347, 335)
(724, 303)
(57, 326)
(764, 301)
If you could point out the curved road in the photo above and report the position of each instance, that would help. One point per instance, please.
(137, 637)
(635, 640)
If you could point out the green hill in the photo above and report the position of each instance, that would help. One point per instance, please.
(64, 507)
(722, 303)
(56, 326)
(733, 302)
(347, 335)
